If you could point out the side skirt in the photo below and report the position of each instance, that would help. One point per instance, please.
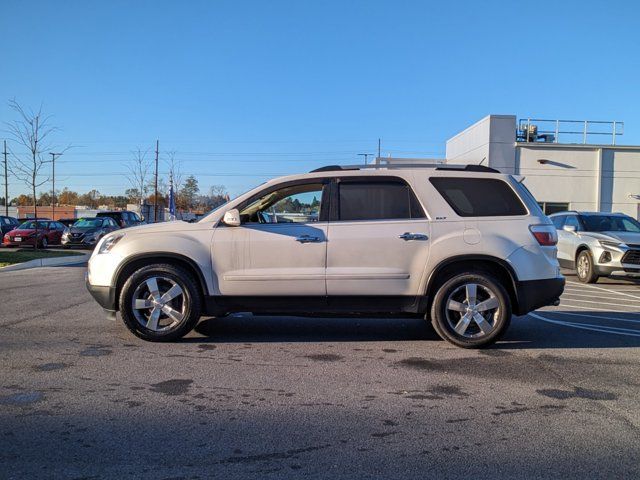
(312, 306)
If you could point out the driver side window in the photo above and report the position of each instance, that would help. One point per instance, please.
(294, 204)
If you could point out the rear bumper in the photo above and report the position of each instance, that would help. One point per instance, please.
(533, 294)
(105, 296)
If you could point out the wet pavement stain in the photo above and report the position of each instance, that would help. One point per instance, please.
(207, 346)
(95, 351)
(293, 453)
(23, 398)
(324, 357)
(383, 434)
(172, 387)
(47, 367)
(577, 393)
(509, 411)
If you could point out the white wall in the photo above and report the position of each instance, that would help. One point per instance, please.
(492, 139)
(588, 177)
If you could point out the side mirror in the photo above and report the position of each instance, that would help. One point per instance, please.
(232, 218)
(569, 228)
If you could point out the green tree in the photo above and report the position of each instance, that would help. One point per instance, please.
(188, 192)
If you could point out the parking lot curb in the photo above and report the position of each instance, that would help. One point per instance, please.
(48, 262)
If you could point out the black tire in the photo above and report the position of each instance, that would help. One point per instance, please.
(475, 334)
(586, 273)
(189, 310)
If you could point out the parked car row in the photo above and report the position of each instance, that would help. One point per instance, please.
(81, 232)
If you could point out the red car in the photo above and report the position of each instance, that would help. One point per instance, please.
(49, 233)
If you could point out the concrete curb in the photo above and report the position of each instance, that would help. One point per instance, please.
(48, 262)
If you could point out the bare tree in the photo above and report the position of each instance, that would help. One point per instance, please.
(174, 170)
(31, 132)
(139, 169)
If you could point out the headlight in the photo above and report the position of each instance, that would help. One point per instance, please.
(613, 245)
(107, 243)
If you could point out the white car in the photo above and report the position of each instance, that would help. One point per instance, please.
(598, 244)
(463, 246)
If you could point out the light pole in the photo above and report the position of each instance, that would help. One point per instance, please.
(366, 156)
(53, 186)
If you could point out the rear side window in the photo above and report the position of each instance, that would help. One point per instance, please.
(479, 197)
(382, 200)
(558, 221)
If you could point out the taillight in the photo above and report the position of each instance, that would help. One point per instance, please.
(546, 235)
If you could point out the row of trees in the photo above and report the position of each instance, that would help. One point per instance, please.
(187, 198)
(31, 133)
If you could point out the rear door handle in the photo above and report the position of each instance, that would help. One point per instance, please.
(413, 236)
(308, 239)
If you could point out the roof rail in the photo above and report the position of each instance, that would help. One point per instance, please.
(436, 166)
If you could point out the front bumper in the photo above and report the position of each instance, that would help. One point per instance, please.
(105, 296)
(30, 241)
(69, 241)
(620, 261)
(534, 294)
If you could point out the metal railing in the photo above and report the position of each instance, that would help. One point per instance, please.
(545, 130)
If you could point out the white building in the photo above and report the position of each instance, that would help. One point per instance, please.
(599, 176)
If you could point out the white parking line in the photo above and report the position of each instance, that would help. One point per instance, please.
(585, 326)
(594, 308)
(597, 302)
(586, 315)
(605, 290)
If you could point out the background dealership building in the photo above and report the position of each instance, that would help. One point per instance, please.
(567, 164)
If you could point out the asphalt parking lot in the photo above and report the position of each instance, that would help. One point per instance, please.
(270, 397)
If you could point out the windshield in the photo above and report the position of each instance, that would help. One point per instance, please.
(31, 225)
(88, 223)
(610, 223)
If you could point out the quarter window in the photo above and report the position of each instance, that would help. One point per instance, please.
(384, 200)
(479, 197)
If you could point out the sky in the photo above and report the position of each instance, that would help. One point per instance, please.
(242, 91)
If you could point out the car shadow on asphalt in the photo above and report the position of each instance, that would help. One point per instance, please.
(524, 332)
(249, 328)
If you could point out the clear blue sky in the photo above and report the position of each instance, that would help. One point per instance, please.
(244, 90)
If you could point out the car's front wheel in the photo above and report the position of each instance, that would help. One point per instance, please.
(160, 303)
(585, 268)
(471, 310)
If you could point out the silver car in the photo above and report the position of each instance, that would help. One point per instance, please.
(598, 244)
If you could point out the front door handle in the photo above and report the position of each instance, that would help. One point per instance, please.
(413, 236)
(307, 239)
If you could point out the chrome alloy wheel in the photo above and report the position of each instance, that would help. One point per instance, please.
(159, 304)
(472, 310)
(583, 266)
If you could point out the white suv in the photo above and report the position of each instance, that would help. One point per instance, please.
(463, 246)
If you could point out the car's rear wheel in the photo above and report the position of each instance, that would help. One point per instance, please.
(160, 303)
(584, 267)
(471, 310)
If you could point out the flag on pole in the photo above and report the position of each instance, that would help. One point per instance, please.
(172, 202)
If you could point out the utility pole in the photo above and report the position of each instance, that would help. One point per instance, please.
(155, 188)
(6, 182)
(379, 144)
(53, 184)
